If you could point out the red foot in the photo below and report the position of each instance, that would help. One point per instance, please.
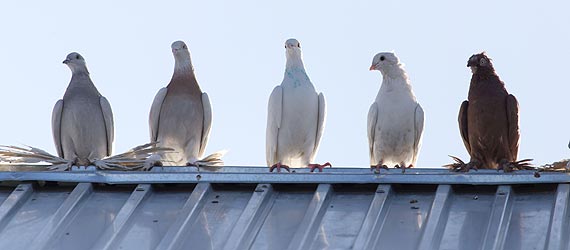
(319, 166)
(379, 166)
(278, 166)
(403, 167)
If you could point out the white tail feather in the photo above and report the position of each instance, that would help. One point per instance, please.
(212, 160)
(133, 159)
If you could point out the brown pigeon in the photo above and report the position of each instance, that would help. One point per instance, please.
(489, 121)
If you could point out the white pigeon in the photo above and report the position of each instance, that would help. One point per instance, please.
(82, 122)
(296, 117)
(395, 119)
(181, 115)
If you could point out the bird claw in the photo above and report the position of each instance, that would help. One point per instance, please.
(319, 166)
(377, 167)
(150, 162)
(193, 164)
(507, 166)
(460, 166)
(403, 167)
(278, 166)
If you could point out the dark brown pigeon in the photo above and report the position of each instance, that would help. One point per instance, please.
(489, 122)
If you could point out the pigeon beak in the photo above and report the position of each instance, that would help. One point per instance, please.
(372, 67)
(65, 61)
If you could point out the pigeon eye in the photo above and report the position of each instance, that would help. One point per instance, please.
(299, 45)
(184, 46)
(77, 57)
(285, 45)
(382, 58)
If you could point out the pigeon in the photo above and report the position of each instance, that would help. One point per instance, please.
(181, 115)
(82, 122)
(489, 122)
(296, 117)
(395, 119)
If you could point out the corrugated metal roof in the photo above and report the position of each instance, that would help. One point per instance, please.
(249, 208)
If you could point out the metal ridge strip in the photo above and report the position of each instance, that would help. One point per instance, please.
(118, 177)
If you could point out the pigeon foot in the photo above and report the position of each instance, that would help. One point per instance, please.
(461, 166)
(403, 166)
(319, 166)
(278, 166)
(193, 164)
(378, 166)
(507, 166)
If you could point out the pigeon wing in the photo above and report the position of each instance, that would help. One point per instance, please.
(56, 126)
(274, 115)
(418, 129)
(372, 119)
(109, 123)
(154, 116)
(320, 123)
(513, 126)
(463, 129)
(207, 122)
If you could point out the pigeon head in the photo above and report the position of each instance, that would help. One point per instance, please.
(75, 62)
(385, 62)
(293, 47)
(292, 44)
(179, 46)
(293, 53)
(181, 54)
(479, 61)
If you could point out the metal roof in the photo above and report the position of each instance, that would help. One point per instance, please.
(249, 208)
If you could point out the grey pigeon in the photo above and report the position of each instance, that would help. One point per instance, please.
(181, 115)
(295, 118)
(395, 119)
(82, 122)
(489, 121)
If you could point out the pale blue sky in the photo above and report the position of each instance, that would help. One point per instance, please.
(237, 51)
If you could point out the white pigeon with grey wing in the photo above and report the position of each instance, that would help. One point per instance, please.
(82, 122)
(395, 119)
(181, 116)
(296, 117)
(83, 131)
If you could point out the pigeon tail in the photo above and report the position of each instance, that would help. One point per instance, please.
(212, 160)
(559, 166)
(133, 159)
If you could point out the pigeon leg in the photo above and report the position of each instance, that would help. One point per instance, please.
(152, 161)
(319, 166)
(193, 164)
(508, 166)
(461, 166)
(378, 166)
(402, 165)
(278, 166)
(70, 164)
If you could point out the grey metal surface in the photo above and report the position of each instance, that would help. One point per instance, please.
(284, 211)
(257, 175)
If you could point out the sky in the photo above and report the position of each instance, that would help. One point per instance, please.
(237, 49)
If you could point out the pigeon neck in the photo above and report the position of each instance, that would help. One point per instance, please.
(183, 66)
(81, 83)
(485, 79)
(79, 70)
(395, 79)
(395, 72)
(295, 71)
(183, 78)
(294, 61)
